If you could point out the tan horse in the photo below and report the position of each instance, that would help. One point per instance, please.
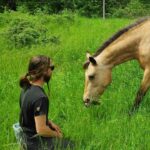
(132, 42)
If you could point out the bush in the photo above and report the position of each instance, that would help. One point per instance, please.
(134, 9)
(23, 33)
(3, 20)
(90, 8)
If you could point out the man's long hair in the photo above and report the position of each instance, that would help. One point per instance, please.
(37, 67)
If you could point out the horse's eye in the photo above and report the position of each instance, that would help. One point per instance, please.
(91, 77)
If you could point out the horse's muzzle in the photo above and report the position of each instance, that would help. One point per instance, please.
(87, 102)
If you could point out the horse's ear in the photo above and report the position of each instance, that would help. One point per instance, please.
(92, 60)
(88, 55)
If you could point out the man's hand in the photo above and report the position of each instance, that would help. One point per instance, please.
(54, 127)
(58, 134)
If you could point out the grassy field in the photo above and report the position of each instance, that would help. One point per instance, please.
(104, 127)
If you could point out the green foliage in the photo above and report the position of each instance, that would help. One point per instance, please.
(22, 8)
(112, 6)
(65, 18)
(26, 31)
(134, 9)
(3, 20)
(89, 8)
(23, 33)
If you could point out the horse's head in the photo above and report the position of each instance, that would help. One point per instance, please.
(97, 78)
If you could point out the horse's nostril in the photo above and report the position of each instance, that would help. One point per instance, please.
(87, 100)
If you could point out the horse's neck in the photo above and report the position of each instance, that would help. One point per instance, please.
(119, 52)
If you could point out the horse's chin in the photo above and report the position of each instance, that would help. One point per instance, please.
(93, 102)
(87, 104)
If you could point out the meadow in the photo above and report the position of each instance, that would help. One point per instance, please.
(68, 37)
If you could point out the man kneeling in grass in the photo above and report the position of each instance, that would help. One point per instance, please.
(39, 132)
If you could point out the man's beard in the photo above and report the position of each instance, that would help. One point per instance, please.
(47, 78)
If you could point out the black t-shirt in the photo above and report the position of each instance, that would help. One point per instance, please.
(33, 102)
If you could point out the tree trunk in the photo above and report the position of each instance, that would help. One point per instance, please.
(11, 4)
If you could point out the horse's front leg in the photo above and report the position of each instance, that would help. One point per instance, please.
(145, 84)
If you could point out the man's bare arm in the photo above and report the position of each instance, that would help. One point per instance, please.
(42, 129)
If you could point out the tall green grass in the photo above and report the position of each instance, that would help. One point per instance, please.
(105, 127)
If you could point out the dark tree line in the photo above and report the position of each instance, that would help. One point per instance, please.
(84, 7)
(10, 4)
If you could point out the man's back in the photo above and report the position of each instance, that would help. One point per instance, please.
(33, 102)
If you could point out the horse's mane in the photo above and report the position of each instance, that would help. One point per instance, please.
(118, 34)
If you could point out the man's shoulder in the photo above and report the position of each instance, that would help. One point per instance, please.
(34, 93)
(37, 93)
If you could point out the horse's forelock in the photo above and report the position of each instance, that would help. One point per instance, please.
(86, 64)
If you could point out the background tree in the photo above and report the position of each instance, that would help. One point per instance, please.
(89, 8)
(9, 4)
